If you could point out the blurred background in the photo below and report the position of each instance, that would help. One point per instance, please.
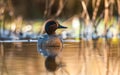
(85, 19)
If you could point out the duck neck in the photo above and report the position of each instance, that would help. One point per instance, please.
(53, 34)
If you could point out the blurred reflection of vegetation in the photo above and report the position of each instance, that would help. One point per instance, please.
(3, 66)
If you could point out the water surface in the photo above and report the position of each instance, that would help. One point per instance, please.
(77, 58)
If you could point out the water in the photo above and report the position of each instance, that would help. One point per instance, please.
(77, 58)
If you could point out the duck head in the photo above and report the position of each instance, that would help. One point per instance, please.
(51, 26)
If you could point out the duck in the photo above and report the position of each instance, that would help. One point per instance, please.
(50, 43)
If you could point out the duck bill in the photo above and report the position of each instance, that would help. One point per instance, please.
(60, 26)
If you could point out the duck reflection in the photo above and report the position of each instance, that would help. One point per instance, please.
(50, 64)
(54, 64)
(52, 55)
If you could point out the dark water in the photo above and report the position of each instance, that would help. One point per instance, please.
(76, 58)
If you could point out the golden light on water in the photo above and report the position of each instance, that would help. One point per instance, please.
(115, 32)
(115, 40)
